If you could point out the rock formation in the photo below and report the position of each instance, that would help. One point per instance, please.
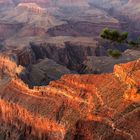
(33, 7)
(70, 53)
(61, 3)
(25, 20)
(45, 71)
(76, 107)
(73, 107)
(25, 13)
(127, 10)
(103, 64)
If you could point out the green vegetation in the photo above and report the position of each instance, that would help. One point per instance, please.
(114, 35)
(113, 53)
(118, 37)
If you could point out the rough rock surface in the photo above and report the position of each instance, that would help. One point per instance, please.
(70, 53)
(128, 10)
(103, 64)
(76, 107)
(45, 71)
(27, 14)
(25, 20)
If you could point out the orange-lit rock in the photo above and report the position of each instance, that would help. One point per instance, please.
(129, 72)
(76, 107)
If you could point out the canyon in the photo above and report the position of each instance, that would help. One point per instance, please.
(68, 54)
(76, 106)
(66, 35)
(57, 81)
(126, 10)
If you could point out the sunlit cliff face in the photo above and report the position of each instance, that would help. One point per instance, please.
(74, 105)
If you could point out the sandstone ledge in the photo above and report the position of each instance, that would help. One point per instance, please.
(76, 107)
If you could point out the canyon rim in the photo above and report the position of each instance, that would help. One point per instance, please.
(69, 70)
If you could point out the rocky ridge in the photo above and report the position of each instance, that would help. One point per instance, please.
(47, 61)
(125, 10)
(32, 7)
(81, 107)
(61, 3)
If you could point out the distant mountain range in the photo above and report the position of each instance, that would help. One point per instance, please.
(116, 4)
(128, 9)
(46, 3)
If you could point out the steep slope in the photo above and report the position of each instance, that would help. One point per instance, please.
(126, 10)
(103, 64)
(81, 107)
(131, 9)
(30, 14)
(45, 71)
(25, 20)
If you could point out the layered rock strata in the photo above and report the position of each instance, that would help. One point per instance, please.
(82, 107)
